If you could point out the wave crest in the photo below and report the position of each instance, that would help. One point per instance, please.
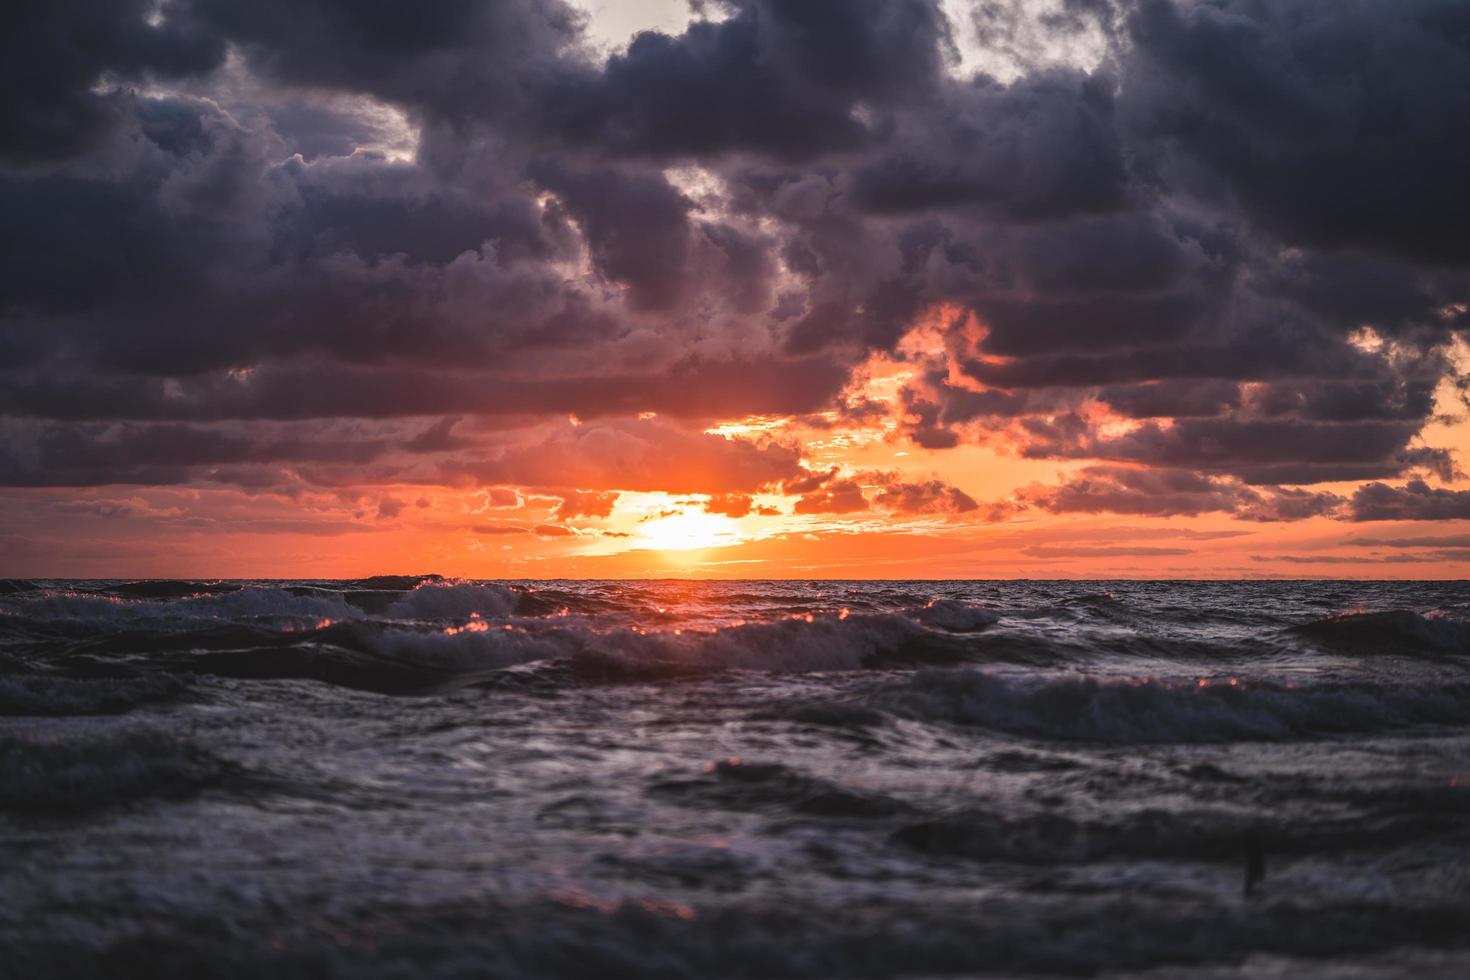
(795, 645)
(454, 600)
(955, 616)
(1399, 627)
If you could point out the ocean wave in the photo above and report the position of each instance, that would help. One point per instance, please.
(249, 603)
(793, 645)
(1164, 712)
(43, 695)
(397, 657)
(732, 784)
(391, 583)
(1213, 835)
(824, 714)
(575, 933)
(169, 588)
(434, 600)
(454, 600)
(955, 616)
(72, 774)
(1393, 628)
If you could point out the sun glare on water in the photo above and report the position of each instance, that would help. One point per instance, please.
(687, 530)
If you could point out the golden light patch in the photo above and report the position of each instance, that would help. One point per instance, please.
(687, 530)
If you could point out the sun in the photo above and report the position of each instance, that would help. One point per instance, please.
(687, 530)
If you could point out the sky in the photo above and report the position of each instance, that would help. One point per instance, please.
(735, 288)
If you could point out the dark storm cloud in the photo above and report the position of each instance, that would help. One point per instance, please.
(1238, 104)
(1042, 147)
(828, 493)
(774, 78)
(452, 61)
(1414, 501)
(1190, 237)
(1257, 450)
(59, 454)
(637, 228)
(52, 52)
(1175, 492)
(626, 454)
(691, 389)
(1334, 123)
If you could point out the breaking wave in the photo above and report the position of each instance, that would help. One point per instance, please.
(955, 616)
(399, 656)
(443, 600)
(794, 645)
(1394, 628)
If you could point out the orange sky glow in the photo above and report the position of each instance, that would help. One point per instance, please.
(606, 531)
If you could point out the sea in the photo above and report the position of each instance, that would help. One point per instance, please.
(414, 776)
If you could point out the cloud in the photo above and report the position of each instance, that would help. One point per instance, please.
(502, 498)
(1342, 559)
(54, 54)
(1414, 501)
(580, 503)
(1175, 492)
(828, 493)
(320, 243)
(730, 504)
(776, 79)
(835, 496)
(1119, 551)
(1295, 126)
(926, 497)
(1428, 541)
(499, 529)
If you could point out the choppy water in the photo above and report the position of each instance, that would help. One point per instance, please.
(401, 777)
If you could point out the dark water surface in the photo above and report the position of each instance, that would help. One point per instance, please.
(402, 777)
